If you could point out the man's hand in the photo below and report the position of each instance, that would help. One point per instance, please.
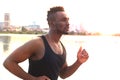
(82, 55)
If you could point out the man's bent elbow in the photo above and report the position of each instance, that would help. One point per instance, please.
(5, 63)
(63, 76)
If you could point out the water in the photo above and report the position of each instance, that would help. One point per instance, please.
(103, 63)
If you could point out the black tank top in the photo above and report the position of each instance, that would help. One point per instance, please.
(50, 65)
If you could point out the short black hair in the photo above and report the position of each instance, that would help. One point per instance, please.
(52, 11)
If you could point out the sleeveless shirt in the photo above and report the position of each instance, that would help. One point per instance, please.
(50, 65)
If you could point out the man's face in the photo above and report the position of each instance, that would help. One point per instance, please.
(61, 22)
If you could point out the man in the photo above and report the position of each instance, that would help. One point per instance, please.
(46, 54)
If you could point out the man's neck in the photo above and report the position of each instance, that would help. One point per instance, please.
(53, 37)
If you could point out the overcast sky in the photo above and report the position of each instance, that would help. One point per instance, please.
(93, 15)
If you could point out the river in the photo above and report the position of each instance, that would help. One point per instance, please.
(103, 62)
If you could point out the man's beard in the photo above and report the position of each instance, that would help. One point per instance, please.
(65, 32)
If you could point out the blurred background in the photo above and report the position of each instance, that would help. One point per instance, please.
(94, 25)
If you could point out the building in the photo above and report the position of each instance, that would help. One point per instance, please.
(33, 27)
(1, 26)
(6, 20)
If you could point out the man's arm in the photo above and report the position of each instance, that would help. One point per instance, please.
(19, 55)
(67, 71)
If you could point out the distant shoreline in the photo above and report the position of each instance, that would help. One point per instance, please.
(17, 34)
(7, 34)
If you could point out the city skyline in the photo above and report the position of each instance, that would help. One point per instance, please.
(94, 15)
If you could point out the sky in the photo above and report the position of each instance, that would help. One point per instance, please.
(94, 15)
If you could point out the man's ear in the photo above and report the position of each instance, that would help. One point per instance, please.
(54, 23)
(50, 23)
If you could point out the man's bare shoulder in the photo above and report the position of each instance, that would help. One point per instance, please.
(36, 41)
(32, 45)
(36, 47)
